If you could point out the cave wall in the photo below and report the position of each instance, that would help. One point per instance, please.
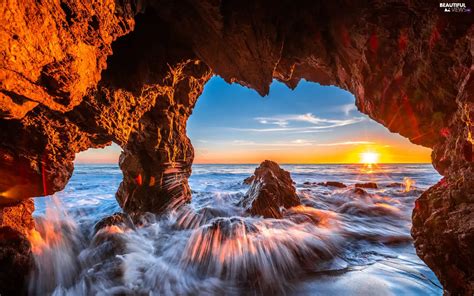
(70, 82)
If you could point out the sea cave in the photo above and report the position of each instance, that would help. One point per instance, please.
(79, 75)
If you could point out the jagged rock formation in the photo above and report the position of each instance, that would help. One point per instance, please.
(408, 63)
(271, 190)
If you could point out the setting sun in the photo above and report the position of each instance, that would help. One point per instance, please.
(369, 157)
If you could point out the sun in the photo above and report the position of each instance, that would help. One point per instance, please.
(369, 158)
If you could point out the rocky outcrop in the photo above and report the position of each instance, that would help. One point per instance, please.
(157, 158)
(271, 191)
(117, 219)
(69, 82)
(443, 218)
(145, 115)
(359, 191)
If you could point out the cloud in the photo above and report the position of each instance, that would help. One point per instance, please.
(292, 143)
(282, 129)
(298, 142)
(282, 123)
(346, 143)
(316, 123)
(347, 108)
(243, 142)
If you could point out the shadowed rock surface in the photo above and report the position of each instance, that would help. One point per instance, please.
(16, 261)
(80, 74)
(271, 190)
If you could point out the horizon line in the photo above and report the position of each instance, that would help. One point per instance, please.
(282, 163)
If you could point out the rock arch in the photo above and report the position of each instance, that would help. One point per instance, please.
(76, 75)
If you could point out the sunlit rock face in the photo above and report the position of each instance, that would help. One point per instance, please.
(52, 58)
(18, 217)
(408, 63)
(270, 192)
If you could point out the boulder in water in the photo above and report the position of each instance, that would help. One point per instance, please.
(117, 219)
(369, 185)
(359, 191)
(271, 190)
(333, 184)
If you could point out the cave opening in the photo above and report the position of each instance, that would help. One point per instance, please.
(90, 193)
(312, 123)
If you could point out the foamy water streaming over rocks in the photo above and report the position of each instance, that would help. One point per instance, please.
(340, 240)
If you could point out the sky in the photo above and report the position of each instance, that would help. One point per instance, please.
(310, 124)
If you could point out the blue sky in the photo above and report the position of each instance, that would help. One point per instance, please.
(310, 124)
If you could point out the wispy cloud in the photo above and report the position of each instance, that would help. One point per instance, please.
(283, 123)
(346, 143)
(284, 120)
(310, 129)
(347, 108)
(298, 142)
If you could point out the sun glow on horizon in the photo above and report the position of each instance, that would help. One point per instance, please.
(369, 157)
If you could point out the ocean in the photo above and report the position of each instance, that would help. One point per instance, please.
(353, 244)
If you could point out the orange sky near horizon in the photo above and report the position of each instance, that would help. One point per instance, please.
(309, 155)
(343, 153)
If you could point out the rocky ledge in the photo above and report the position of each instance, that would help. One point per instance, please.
(271, 190)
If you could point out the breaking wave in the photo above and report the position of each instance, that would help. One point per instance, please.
(339, 239)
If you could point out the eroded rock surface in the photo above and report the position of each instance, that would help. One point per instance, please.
(19, 216)
(271, 191)
(408, 63)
